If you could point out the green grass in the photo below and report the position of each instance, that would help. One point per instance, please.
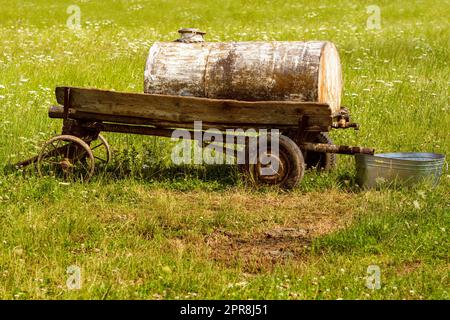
(146, 229)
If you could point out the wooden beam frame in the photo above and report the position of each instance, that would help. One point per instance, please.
(180, 111)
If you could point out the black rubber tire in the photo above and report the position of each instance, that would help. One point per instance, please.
(292, 164)
(322, 161)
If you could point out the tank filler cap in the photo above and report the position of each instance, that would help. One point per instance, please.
(190, 35)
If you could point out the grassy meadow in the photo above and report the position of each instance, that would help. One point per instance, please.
(144, 228)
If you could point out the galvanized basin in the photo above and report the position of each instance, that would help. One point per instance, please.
(402, 168)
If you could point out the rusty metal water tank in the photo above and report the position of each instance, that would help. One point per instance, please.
(278, 70)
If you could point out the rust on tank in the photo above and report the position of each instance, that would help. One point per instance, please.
(220, 78)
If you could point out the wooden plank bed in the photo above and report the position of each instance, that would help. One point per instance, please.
(301, 130)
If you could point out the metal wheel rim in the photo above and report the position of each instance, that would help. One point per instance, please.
(103, 143)
(65, 160)
(283, 171)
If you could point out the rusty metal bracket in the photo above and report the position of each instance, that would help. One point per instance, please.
(341, 120)
(345, 125)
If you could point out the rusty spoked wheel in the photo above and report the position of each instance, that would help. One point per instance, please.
(284, 169)
(101, 151)
(67, 158)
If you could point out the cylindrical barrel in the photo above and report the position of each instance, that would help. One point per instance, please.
(254, 71)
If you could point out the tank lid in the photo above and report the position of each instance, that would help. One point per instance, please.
(190, 35)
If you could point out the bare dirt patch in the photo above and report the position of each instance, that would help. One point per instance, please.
(256, 231)
(258, 251)
(408, 267)
(304, 217)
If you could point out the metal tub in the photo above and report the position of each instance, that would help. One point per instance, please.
(402, 168)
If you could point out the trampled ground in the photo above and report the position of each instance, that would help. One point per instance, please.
(144, 228)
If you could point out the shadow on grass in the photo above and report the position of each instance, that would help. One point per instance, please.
(128, 166)
(181, 176)
(211, 177)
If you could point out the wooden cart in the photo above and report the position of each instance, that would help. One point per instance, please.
(87, 112)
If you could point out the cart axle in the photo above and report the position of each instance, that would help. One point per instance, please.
(332, 148)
